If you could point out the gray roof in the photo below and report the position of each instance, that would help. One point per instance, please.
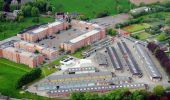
(8, 44)
(81, 69)
(114, 58)
(97, 88)
(101, 59)
(151, 68)
(114, 80)
(131, 62)
(83, 75)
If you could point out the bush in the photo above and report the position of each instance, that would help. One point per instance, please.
(111, 32)
(102, 14)
(159, 90)
(127, 23)
(28, 77)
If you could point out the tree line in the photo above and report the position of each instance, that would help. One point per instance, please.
(29, 77)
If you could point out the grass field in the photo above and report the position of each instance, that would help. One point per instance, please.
(143, 35)
(89, 7)
(136, 27)
(156, 18)
(8, 29)
(10, 72)
(78, 53)
(161, 37)
(47, 70)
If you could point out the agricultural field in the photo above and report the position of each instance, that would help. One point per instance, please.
(10, 28)
(90, 8)
(7, 82)
(136, 27)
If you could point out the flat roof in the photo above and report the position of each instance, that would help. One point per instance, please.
(131, 62)
(151, 68)
(44, 27)
(72, 76)
(97, 88)
(114, 58)
(81, 37)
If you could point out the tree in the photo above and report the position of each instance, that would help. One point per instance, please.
(34, 12)
(111, 32)
(91, 96)
(26, 9)
(29, 77)
(2, 17)
(1, 4)
(137, 96)
(77, 96)
(167, 21)
(159, 90)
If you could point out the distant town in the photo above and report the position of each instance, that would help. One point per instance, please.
(51, 54)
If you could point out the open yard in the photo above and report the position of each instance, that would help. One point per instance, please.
(90, 8)
(8, 29)
(136, 27)
(10, 72)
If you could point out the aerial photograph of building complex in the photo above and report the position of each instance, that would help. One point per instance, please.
(84, 49)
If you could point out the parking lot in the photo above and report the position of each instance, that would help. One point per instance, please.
(61, 37)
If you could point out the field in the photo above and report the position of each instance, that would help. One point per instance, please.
(137, 2)
(143, 35)
(10, 72)
(78, 53)
(161, 37)
(90, 8)
(47, 69)
(136, 27)
(8, 29)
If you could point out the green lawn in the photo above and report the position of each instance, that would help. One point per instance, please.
(8, 29)
(156, 18)
(136, 27)
(78, 53)
(47, 71)
(143, 35)
(161, 37)
(10, 72)
(89, 8)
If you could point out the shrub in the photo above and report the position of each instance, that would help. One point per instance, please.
(159, 90)
(103, 14)
(111, 32)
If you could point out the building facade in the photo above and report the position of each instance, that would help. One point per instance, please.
(31, 47)
(23, 57)
(43, 31)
